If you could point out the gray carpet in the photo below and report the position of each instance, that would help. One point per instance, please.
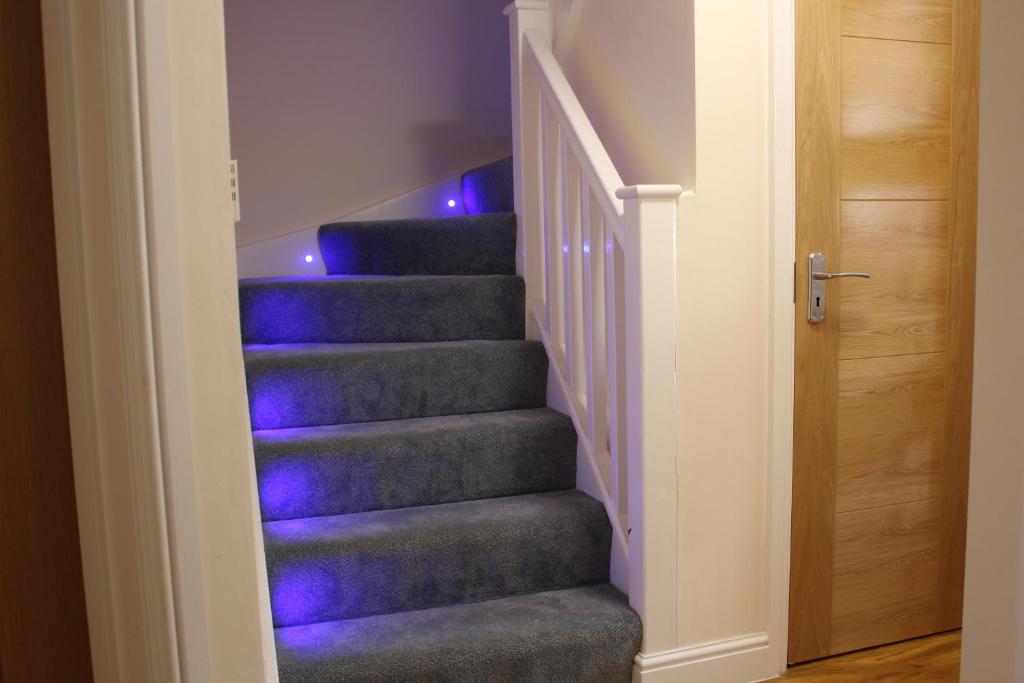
(416, 557)
(367, 466)
(351, 309)
(488, 189)
(579, 635)
(301, 385)
(460, 245)
(420, 520)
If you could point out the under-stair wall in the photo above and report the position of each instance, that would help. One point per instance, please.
(683, 93)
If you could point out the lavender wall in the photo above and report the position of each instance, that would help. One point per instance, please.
(337, 106)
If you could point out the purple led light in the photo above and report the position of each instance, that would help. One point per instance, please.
(308, 258)
(451, 203)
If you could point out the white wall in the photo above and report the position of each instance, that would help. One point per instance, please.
(339, 105)
(678, 93)
(993, 637)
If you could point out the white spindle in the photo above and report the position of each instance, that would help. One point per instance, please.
(615, 369)
(554, 236)
(594, 327)
(566, 214)
(572, 248)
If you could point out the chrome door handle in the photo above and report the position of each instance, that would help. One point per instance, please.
(817, 277)
(831, 276)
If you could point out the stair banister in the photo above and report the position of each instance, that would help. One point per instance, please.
(599, 260)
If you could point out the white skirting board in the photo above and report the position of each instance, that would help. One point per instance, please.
(735, 660)
(286, 255)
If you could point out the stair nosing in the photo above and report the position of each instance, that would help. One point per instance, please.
(578, 496)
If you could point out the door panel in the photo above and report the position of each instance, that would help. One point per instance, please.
(885, 574)
(895, 119)
(928, 21)
(890, 430)
(886, 183)
(902, 308)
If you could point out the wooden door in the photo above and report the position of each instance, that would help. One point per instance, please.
(44, 635)
(887, 100)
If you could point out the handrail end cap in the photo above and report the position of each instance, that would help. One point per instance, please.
(649, 192)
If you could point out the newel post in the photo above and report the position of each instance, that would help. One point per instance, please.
(527, 157)
(652, 408)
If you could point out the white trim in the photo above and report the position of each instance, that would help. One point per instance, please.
(782, 157)
(733, 660)
(122, 290)
(95, 148)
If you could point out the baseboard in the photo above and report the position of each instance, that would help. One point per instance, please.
(735, 660)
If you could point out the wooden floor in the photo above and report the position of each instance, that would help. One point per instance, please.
(935, 658)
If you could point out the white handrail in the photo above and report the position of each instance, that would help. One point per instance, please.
(573, 121)
(599, 263)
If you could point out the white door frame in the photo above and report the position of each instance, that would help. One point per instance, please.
(782, 156)
(109, 93)
(152, 600)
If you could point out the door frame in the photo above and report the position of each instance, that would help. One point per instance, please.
(152, 601)
(782, 312)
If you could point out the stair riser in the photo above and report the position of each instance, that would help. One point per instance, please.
(488, 189)
(343, 387)
(465, 245)
(376, 470)
(382, 574)
(395, 310)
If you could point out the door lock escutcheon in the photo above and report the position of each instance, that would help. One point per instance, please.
(817, 277)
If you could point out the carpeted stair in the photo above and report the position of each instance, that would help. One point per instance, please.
(420, 520)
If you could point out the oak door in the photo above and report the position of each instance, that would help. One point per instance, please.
(887, 117)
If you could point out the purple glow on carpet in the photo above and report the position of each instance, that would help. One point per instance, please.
(299, 593)
(309, 638)
(269, 409)
(286, 486)
(471, 194)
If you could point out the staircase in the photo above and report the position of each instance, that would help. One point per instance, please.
(419, 511)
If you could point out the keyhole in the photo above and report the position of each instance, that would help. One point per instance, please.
(818, 299)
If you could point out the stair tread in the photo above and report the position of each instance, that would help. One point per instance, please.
(411, 558)
(397, 279)
(381, 308)
(358, 467)
(456, 245)
(316, 349)
(506, 512)
(584, 635)
(437, 221)
(411, 426)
